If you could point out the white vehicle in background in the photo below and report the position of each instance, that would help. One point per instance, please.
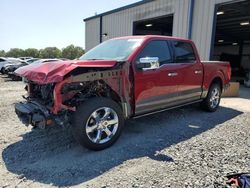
(32, 60)
(45, 61)
(4, 61)
(39, 61)
(25, 58)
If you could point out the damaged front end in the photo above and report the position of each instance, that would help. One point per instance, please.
(50, 102)
(36, 110)
(33, 113)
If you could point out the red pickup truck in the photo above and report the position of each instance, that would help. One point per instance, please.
(122, 78)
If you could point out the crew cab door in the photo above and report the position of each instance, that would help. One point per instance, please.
(155, 88)
(190, 71)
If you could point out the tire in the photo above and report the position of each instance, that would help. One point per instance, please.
(92, 123)
(212, 101)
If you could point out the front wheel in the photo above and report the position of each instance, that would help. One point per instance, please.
(212, 101)
(97, 123)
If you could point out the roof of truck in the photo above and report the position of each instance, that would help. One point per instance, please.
(153, 37)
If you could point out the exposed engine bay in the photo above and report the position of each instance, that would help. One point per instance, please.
(42, 93)
(56, 101)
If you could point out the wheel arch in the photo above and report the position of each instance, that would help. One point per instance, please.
(217, 80)
(100, 89)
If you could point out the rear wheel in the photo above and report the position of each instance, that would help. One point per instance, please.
(212, 101)
(97, 123)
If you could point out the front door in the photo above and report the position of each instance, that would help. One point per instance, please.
(156, 89)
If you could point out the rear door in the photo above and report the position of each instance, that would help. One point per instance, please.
(156, 89)
(190, 72)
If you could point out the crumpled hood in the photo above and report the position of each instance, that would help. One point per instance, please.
(52, 72)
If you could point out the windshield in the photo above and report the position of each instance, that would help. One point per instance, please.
(31, 60)
(118, 49)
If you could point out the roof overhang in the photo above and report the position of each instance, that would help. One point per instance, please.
(118, 9)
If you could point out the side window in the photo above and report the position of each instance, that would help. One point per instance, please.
(184, 52)
(158, 49)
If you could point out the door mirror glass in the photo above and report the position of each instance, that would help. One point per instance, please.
(148, 63)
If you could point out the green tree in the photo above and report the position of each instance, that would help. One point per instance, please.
(15, 52)
(72, 52)
(40, 53)
(50, 52)
(2, 53)
(31, 52)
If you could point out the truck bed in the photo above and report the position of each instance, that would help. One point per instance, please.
(212, 68)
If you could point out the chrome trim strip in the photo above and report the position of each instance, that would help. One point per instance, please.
(163, 101)
(162, 110)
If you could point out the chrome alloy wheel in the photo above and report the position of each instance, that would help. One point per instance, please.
(215, 98)
(102, 125)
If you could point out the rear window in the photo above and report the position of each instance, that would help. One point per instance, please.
(184, 52)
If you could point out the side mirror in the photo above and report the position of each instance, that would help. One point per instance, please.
(148, 63)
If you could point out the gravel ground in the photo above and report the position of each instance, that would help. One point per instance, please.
(185, 147)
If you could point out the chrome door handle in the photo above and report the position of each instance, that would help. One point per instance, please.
(198, 72)
(172, 74)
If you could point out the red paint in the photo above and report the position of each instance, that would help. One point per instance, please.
(136, 85)
(53, 72)
(156, 82)
(58, 98)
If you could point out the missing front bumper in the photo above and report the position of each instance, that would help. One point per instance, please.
(32, 113)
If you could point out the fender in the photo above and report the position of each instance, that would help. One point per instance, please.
(115, 79)
(219, 74)
(211, 77)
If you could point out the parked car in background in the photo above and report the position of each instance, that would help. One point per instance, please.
(10, 71)
(3, 61)
(7, 68)
(13, 66)
(9, 61)
(30, 62)
(25, 58)
(45, 60)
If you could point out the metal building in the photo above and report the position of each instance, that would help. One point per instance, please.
(219, 28)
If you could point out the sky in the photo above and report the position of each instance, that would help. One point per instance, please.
(48, 23)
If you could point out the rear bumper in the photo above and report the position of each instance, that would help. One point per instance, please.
(32, 113)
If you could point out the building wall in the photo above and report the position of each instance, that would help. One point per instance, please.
(92, 33)
(121, 23)
(181, 18)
